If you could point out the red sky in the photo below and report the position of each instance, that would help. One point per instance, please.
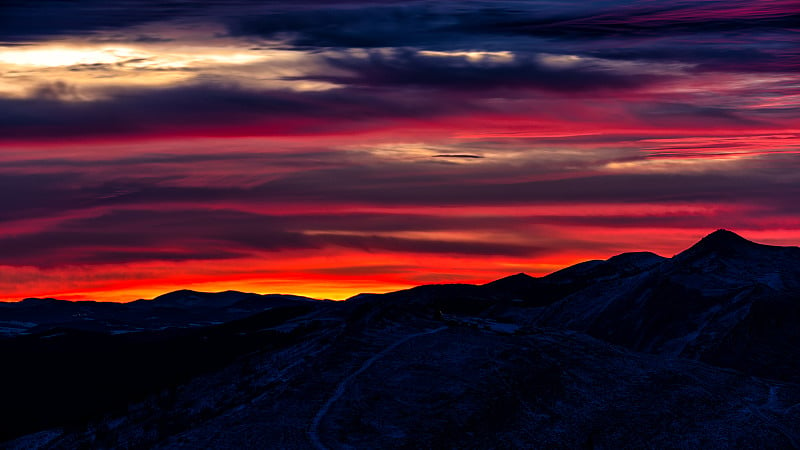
(332, 148)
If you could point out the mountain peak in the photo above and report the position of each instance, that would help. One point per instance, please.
(724, 243)
(519, 284)
(181, 293)
(725, 237)
(513, 280)
(521, 276)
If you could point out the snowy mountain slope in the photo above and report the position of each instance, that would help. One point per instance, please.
(639, 351)
(703, 303)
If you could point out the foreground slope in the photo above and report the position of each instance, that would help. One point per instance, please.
(454, 384)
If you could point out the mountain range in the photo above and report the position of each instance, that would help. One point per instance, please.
(700, 350)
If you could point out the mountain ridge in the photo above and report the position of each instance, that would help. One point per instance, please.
(639, 350)
(196, 308)
(714, 241)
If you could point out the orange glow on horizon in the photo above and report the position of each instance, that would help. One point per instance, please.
(317, 278)
(335, 275)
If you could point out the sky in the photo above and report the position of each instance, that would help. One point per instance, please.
(327, 148)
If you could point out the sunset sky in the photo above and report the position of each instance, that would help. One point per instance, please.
(327, 148)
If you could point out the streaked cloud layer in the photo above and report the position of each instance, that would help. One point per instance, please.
(328, 148)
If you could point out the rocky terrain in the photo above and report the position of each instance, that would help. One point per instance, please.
(700, 350)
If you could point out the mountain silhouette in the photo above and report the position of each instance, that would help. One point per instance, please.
(698, 350)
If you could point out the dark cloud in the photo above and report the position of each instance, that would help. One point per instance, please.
(57, 111)
(690, 115)
(726, 35)
(701, 221)
(299, 159)
(714, 55)
(413, 69)
(403, 83)
(392, 244)
(410, 24)
(397, 185)
(125, 236)
(25, 20)
(647, 21)
(27, 195)
(370, 270)
(204, 110)
(457, 156)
